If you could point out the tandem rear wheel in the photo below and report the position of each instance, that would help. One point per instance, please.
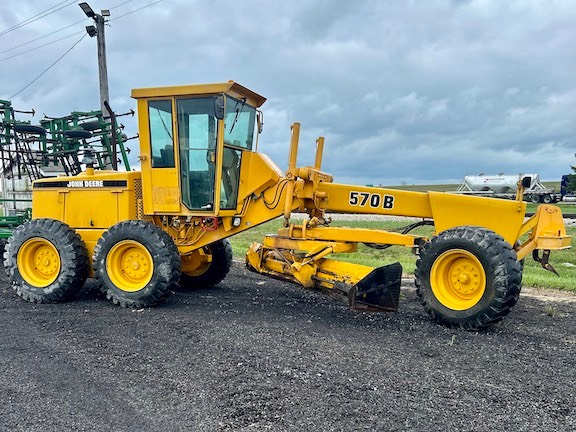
(46, 260)
(207, 266)
(136, 264)
(468, 277)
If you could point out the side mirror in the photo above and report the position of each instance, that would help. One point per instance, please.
(260, 120)
(219, 106)
(526, 182)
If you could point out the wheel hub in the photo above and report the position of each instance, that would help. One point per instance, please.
(465, 277)
(38, 262)
(46, 261)
(135, 265)
(196, 263)
(458, 279)
(129, 265)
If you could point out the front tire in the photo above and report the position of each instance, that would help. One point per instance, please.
(468, 277)
(136, 264)
(208, 267)
(46, 260)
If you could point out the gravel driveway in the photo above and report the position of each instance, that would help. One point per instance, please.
(260, 354)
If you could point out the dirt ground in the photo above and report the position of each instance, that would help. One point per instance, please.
(258, 354)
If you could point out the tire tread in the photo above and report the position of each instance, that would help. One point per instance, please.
(72, 254)
(221, 252)
(164, 252)
(506, 271)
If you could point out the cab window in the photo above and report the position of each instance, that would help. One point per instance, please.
(160, 115)
(197, 136)
(240, 123)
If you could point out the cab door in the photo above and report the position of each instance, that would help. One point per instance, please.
(161, 191)
(197, 141)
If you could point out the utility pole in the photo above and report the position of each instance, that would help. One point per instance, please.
(98, 31)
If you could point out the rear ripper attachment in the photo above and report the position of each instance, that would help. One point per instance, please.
(303, 262)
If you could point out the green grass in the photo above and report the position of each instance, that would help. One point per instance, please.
(564, 262)
(565, 207)
(534, 275)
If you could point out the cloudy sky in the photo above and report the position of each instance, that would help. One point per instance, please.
(407, 91)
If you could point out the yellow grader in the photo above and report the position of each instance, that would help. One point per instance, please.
(201, 181)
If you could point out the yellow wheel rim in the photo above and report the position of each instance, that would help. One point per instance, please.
(196, 263)
(38, 262)
(458, 279)
(129, 266)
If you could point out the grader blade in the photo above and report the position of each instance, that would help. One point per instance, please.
(379, 291)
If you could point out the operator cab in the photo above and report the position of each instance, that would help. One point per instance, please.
(192, 142)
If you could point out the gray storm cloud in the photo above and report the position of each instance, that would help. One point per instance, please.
(415, 91)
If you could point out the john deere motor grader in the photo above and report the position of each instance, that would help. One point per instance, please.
(202, 181)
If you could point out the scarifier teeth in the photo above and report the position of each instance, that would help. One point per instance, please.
(544, 261)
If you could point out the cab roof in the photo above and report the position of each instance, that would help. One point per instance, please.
(230, 88)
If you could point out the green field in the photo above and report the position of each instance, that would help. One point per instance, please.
(534, 274)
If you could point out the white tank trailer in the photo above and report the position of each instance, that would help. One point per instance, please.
(505, 186)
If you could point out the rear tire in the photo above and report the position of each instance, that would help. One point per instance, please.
(468, 277)
(211, 272)
(46, 260)
(136, 264)
(547, 199)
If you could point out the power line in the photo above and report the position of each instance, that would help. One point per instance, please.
(40, 46)
(136, 10)
(121, 4)
(49, 67)
(51, 33)
(41, 37)
(38, 16)
(56, 31)
(28, 19)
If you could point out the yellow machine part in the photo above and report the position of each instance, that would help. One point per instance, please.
(39, 262)
(546, 231)
(231, 87)
(196, 262)
(304, 262)
(458, 279)
(129, 265)
(447, 210)
(308, 268)
(90, 202)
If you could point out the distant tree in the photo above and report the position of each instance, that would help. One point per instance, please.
(572, 179)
